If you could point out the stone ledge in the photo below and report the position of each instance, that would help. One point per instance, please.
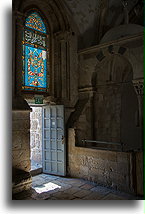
(23, 185)
(21, 181)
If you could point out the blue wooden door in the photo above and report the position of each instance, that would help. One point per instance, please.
(53, 140)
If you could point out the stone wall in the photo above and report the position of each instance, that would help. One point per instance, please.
(36, 134)
(107, 74)
(113, 169)
(107, 111)
(21, 151)
(84, 126)
(140, 173)
(94, 18)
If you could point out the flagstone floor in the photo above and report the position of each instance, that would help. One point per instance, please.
(49, 187)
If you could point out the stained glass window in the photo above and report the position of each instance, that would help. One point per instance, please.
(35, 22)
(34, 54)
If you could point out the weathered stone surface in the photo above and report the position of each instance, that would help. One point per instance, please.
(21, 151)
(63, 196)
(104, 167)
(47, 192)
(72, 190)
(82, 193)
(140, 169)
(113, 197)
(19, 115)
(87, 186)
(102, 74)
(94, 196)
(21, 140)
(36, 134)
(21, 124)
(20, 155)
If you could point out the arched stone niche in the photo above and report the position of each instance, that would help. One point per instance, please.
(115, 102)
(133, 52)
(114, 69)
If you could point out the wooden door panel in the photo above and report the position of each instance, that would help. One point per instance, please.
(53, 140)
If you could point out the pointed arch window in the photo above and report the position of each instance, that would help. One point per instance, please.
(35, 54)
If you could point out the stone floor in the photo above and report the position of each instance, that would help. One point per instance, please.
(49, 187)
(36, 168)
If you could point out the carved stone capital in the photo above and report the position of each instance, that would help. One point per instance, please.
(139, 86)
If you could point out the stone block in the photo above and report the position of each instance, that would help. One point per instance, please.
(22, 186)
(20, 140)
(21, 155)
(34, 125)
(104, 167)
(87, 186)
(21, 180)
(94, 196)
(82, 193)
(84, 171)
(124, 188)
(63, 196)
(101, 190)
(21, 125)
(23, 165)
(20, 115)
(139, 172)
(111, 196)
(123, 168)
(123, 157)
(72, 190)
(118, 178)
(109, 156)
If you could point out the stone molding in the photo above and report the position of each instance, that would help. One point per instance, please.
(138, 86)
(106, 45)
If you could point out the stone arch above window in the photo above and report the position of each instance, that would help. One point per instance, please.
(35, 54)
(61, 51)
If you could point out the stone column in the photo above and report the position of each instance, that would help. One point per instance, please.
(21, 164)
(139, 89)
(19, 51)
(18, 28)
(62, 62)
(21, 178)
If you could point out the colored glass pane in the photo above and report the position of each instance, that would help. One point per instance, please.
(35, 22)
(35, 68)
(34, 38)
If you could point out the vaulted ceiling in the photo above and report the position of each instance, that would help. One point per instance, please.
(94, 18)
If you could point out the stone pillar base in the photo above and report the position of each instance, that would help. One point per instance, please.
(21, 181)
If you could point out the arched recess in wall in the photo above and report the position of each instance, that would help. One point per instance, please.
(115, 103)
(59, 45)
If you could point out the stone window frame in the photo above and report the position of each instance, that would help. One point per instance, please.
(48, 50)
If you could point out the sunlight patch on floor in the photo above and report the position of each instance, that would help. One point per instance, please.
(46, 187)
